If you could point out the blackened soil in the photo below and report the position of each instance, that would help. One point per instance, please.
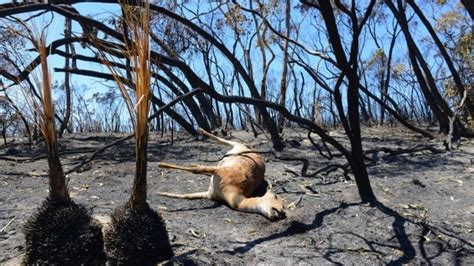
(425, 211)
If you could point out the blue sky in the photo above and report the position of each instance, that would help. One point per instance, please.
(308, 37)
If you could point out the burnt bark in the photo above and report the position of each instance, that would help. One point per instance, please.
(447, 59)
(349, 70)
(469, 5)
(67, 81)
(284, 72)
(426, 81)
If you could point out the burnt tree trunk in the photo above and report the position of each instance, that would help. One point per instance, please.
(469, 5)
(349, 69)
(449, 62)
(67, 81)
(437, 104)
(284, 72)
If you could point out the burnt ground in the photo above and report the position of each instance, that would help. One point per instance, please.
(425, 213)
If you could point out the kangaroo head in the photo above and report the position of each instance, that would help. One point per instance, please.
(272, 206)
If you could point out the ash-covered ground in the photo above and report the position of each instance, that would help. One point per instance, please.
(425, 215)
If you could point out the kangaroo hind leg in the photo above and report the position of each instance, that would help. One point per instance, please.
(196, 169)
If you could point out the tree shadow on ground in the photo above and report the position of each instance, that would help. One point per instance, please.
(294, 229)
(435, 248)
(398, 226)
(372, 247)
(399, 223)
(210, 207)
(183, 259)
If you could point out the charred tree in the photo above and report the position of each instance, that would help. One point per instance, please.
(284, 71)
(426, 81)
(67, 81)
(349, 71)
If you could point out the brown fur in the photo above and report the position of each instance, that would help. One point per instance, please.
(234, 181)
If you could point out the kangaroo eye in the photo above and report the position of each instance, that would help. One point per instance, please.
(276, 197)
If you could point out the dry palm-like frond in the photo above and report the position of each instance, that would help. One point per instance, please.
(138, 22)
(137, 235)
(137, 50)
(58, 188)
(60, 232)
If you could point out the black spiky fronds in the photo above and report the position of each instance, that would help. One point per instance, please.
(62, 232)
(137, 236)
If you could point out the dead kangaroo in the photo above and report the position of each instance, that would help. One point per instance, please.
(234, 181)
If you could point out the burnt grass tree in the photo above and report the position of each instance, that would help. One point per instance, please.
(137, 235)
(60, 232)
